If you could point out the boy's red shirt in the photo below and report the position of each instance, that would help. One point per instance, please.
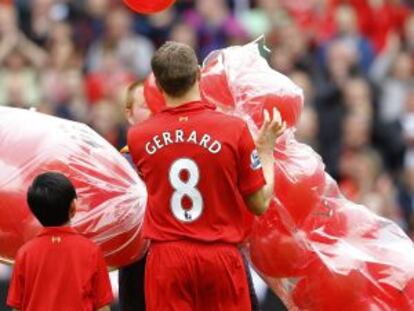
(59, 270)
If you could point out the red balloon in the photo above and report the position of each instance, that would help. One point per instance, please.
(336, 218)
(323, 290)
(213, 85)
(409, 293)
(383, 289)
(274, 250)
(240, 78)
(326, 224)
(289, 105)
(153, 96)
(131, 244)
(300, 179)
(111, 197)
(17, 226)
(148, 6)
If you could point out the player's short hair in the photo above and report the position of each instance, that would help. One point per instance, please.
(129, 96)
(175, 68)
(49, 198)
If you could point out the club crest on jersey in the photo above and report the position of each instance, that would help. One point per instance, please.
(255, 163)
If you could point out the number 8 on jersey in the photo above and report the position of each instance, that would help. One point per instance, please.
(185, 188)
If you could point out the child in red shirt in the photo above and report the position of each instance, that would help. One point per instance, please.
(59, 269)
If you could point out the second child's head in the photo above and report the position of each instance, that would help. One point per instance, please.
(136, 109)
(52, 199)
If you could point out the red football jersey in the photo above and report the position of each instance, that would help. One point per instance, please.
(59, 270)
(197, 164)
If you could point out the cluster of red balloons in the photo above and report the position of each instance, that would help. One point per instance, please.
(322, 289)
(109, 212)
(214, 86)
(240, 78)
(309, 220)
(153, 96)
(300, 184)
(286, 253)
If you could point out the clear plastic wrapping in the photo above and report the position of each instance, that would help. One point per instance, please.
(240, 78)
(317, 250)
(111, 197)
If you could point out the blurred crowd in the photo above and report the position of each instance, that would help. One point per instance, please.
(353, 59)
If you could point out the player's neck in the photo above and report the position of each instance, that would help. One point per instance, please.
(192, 95)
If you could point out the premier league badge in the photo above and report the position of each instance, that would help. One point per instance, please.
(255, 163)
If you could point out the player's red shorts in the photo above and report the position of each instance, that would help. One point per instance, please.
(193, 276)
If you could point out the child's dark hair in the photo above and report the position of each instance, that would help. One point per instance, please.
(49, 198)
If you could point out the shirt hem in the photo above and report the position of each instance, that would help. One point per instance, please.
(103, 303)
(13, 305)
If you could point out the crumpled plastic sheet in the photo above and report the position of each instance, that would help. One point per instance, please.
(111, 197)
(240, 79)
(317, 250)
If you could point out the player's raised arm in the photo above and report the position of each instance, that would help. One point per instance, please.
(265, 143)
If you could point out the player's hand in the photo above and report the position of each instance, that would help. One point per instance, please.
(271, 129)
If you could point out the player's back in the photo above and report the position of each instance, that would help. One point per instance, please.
(197, 164)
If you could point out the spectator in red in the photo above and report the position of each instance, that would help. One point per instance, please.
(108, 80)
(316, 19)
(377, 18)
